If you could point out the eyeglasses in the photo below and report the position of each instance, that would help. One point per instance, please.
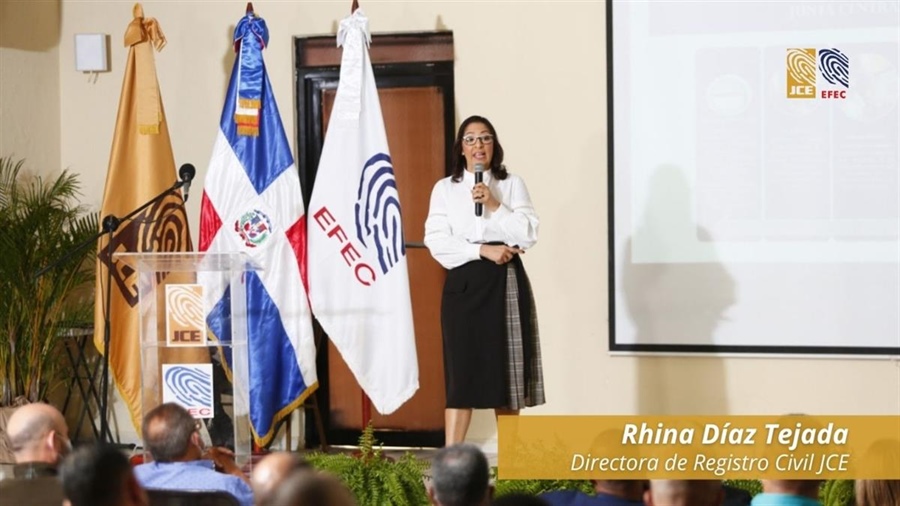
(469, 140)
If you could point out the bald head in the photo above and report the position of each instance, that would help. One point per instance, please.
(306, 487)
(271, 471)
(38, 433)
(685, 493)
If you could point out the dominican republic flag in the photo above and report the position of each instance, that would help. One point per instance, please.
(252, 204)
(358, 280)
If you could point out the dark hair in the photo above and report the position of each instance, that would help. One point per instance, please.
(519, 499)
(167, 431)
(498, 170)
(94, 476)
(459, 475)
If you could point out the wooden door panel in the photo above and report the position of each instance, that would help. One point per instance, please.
(414, 123)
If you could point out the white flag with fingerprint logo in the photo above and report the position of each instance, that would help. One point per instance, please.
(358, 280)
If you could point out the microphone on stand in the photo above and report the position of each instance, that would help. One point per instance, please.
(479, 178)
(186, 173)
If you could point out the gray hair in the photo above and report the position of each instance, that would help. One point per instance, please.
(459, 475)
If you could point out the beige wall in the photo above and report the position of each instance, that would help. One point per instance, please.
(29, 83)
(537, 69)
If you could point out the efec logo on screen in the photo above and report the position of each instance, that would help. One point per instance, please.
(803, 68)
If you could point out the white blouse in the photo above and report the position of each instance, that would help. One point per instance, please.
(454, 234)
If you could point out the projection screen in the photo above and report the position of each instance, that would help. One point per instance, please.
(754, 197)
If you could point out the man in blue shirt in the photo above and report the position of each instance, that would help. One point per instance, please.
(172, 437)
(788, 493)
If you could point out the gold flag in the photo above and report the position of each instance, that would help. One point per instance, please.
(141, 166)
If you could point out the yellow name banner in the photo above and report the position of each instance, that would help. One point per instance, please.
(699, 447)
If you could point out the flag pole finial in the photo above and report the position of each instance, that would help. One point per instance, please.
(354, 6)
(249, 7)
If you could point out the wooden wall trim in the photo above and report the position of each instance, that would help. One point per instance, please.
(322, 51)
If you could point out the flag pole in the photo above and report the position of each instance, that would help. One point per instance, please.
(366, 410)
(366, 402)
(255, 449)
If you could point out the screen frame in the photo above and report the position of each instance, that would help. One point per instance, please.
(846, 352)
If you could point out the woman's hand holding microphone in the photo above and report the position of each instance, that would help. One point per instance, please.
(481, 194)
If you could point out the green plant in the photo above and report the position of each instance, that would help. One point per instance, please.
(374, 479)
(837, 493)
(39, 222)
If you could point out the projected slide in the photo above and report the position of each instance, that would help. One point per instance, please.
(755, 167)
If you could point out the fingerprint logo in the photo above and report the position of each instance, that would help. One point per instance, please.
(803, 67)
(801, 73)
(190, 385)
(835, 67)
(378, 218)
(185, 305)
(185, 315)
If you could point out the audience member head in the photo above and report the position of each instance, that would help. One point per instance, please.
(882, 458)
(459, 477)
(630, 490)
(607, 442)
(877, 492)
(171, 434)
(271, 471)
(685, 493)
(100, 475)
(803, 488)
(38, 433)
(519, 500)
(307, 487)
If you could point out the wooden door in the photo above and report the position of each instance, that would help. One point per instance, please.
(415, 88)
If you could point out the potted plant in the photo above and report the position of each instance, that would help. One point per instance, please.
(373, 478)
(40, 221)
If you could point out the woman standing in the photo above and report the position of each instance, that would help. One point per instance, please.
(491, 346)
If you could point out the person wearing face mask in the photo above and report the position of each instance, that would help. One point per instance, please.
(180, 462)
(39, 438)
(480, 221)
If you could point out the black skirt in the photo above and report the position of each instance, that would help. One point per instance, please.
(488, 358)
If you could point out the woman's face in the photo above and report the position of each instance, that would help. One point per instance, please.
(478, 146)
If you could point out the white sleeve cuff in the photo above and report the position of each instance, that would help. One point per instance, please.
(474, 251)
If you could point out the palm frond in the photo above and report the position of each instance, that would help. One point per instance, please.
(40, 221)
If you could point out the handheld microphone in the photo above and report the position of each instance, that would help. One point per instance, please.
(186, 173)
(479, 178)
